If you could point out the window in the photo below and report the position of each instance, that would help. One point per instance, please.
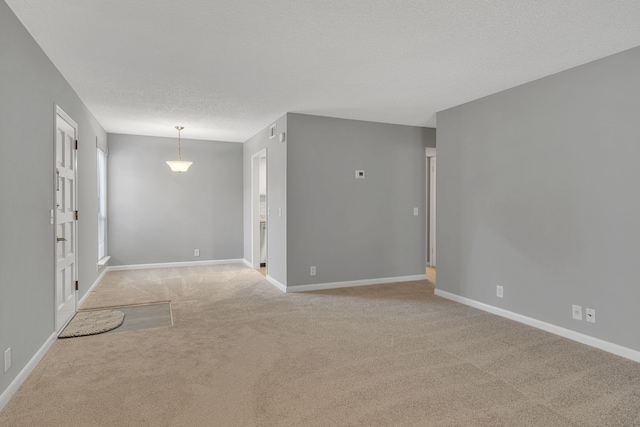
(102, 207)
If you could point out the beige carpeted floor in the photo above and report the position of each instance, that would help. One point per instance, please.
(241, 353)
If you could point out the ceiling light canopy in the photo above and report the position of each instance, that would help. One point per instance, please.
(179, 165)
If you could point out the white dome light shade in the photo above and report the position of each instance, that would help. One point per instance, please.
(179, 165)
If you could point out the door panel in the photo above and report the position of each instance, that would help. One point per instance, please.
(66, 226)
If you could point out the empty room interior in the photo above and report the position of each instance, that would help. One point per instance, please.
(226, 213)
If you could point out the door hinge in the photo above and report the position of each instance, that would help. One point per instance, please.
(76, 285)
(76, 144)
(76, 215)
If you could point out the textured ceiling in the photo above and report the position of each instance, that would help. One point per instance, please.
(225, 69)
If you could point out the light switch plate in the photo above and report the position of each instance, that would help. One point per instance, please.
(359, 174)
(7, 359)
(590, 315)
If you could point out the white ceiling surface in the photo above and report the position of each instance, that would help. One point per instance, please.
(225, 69)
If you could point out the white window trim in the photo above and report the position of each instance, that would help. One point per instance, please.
(104, 259)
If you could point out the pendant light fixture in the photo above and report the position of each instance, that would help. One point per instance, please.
(179, 165)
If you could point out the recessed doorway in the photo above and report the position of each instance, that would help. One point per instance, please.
(259, 209)
(431, 210)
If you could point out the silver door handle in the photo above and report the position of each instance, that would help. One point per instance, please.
(61, 239)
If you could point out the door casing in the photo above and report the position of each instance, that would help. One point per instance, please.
(430, 181)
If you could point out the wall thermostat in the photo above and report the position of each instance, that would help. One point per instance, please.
(359, 174)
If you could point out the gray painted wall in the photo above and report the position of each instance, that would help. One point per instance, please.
(156, 215)
(538, 192)
(29, 87)
(355, 229)
(276, 197)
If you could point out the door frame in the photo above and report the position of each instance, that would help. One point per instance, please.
(432, 211)
(60, 112)
(430, 162)
(255, 207)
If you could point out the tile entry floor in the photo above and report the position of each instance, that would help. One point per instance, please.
(143, 316)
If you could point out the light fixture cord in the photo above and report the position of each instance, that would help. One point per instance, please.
(179, 156)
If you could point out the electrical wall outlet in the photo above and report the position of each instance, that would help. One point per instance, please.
(415, 211)
(590, 315)
(576, 311)
(196, 252)
(7, 359)
(312, 270)
(499, 291)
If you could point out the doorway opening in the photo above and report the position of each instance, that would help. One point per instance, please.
(431, 217)
(259, 211)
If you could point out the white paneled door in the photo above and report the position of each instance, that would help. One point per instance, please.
(66, 254)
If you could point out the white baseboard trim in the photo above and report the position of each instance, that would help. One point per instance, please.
(557, 330)
(85, 296)
(174, 264)
(247, 263)
(277, 284)
(352, 283)
(6, 395)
